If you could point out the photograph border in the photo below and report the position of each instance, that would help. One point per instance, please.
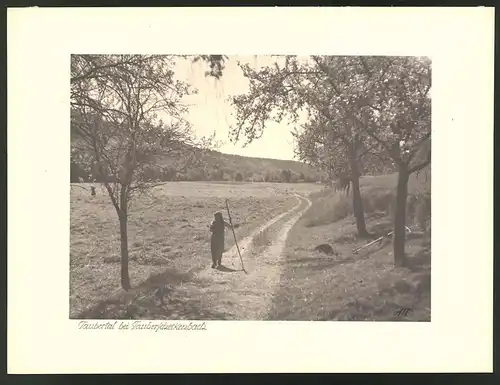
(473, 106)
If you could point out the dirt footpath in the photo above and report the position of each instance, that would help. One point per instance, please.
(237, 295)
(203, 293)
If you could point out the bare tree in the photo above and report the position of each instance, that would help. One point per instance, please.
(398, 117)
(91, 67)
(328, 145)
(316, 86)
(115, 102)
(386, 99)
(357, 107)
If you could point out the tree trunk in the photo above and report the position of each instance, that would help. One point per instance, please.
(400, 216)
(357, 202)
(121, 211)
(125, 279)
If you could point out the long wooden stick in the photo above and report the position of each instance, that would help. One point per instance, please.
(75, 185)
(371, 243)
(357, 249)
(234, 234)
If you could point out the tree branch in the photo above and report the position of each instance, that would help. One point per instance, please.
(421, 165)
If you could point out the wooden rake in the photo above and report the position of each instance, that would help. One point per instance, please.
(234, 234)
(379, 239)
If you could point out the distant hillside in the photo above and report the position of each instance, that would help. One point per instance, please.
(181, 161)
(220, 166)
(217, 166)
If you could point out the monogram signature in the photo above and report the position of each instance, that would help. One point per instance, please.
(403, 312)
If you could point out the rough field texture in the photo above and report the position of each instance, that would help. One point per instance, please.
(169, 240)
(362, 286)
(279, 227)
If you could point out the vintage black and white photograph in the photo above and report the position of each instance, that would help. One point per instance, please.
(264, 187)
(251, 184)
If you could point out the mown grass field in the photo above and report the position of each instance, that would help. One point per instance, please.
(364, 286)
(168, 230)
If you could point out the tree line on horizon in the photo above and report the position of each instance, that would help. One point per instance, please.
(241, 169)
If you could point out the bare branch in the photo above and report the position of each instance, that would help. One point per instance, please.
(421, 165)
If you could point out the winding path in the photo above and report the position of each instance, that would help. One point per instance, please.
(249, 296)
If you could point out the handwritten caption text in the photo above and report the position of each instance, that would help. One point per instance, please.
(141, 325)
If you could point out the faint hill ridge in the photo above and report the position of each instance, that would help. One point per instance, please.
(250, 168)
(219, 166)
(210, 165)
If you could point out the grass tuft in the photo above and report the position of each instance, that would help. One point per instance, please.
(168, 231)
(357, 287)
(378, 196)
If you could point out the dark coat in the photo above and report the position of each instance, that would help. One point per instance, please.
(217, 238)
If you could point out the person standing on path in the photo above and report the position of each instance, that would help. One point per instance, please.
(217, 239)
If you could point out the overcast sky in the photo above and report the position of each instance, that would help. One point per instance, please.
(211, 111)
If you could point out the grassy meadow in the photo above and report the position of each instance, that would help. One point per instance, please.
(364, 286)
(168, 230)
(169, 241)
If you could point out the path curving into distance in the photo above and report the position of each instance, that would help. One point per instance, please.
(249, 296)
